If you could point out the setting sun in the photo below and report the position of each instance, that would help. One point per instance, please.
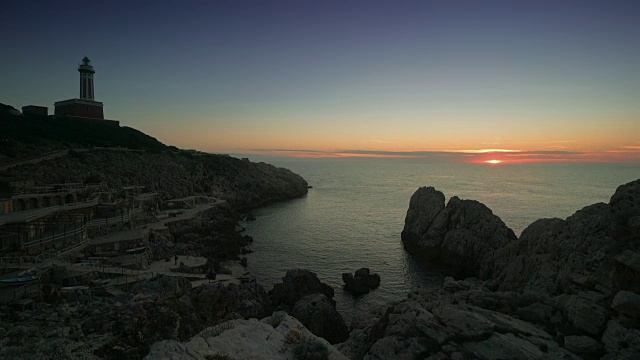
(494, 161)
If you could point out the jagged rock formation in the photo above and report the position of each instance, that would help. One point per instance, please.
(565, 289)
(466, 320)
(305, 297)
(591, 250)
(277, 337)
(167, 308)
(449, 325)
(463, 234)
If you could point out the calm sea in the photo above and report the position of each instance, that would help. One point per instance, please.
(353, 215)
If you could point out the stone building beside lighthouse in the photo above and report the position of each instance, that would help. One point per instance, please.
(85, 106)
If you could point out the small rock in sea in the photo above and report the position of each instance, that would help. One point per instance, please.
(362, 282)
(243, 262)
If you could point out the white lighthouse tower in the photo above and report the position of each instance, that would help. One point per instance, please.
(86, 79)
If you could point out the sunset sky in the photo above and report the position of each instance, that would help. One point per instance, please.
(442, 80)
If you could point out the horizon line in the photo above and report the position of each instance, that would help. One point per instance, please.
(620, 154)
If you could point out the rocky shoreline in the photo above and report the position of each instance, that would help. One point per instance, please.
(566, 289)
(114, 323)
(123, 322)
(563, 289)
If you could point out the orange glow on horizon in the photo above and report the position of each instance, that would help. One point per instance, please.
(623, 154)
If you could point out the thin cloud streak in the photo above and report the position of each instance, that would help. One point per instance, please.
(506, 156)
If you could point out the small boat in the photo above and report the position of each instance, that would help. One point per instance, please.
(20, 280)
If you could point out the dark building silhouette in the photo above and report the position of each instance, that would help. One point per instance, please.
(35, 110)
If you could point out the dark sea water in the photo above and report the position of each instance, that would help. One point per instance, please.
(354, 214)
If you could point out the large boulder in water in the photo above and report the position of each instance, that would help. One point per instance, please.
(464, 233)
(296, 284)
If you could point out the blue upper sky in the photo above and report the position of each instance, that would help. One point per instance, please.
(236, 76)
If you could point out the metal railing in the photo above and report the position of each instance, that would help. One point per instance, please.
(26, 290)
(56, 188)
(75, 247)
(55, 237)
(30, 215)
(115, 219)
(12, 260)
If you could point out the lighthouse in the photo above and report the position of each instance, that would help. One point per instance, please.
(85, 106)
(86, 79)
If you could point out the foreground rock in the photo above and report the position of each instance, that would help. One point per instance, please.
(594, 249)
(126, 325)
(217, 302)
(320, 316)
(304, 296)
(449, 326)
(566, 289)
(277, 337)
(361, 283)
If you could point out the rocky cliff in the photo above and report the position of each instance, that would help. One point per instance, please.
(123, 156)
(592, 250)
(565, 289)
(173, 174)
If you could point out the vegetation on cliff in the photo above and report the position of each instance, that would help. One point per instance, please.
(24, 136)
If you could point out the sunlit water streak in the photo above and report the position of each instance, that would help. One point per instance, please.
(355, 212)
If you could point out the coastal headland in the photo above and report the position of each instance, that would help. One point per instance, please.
(137, 254)
(108, 231)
